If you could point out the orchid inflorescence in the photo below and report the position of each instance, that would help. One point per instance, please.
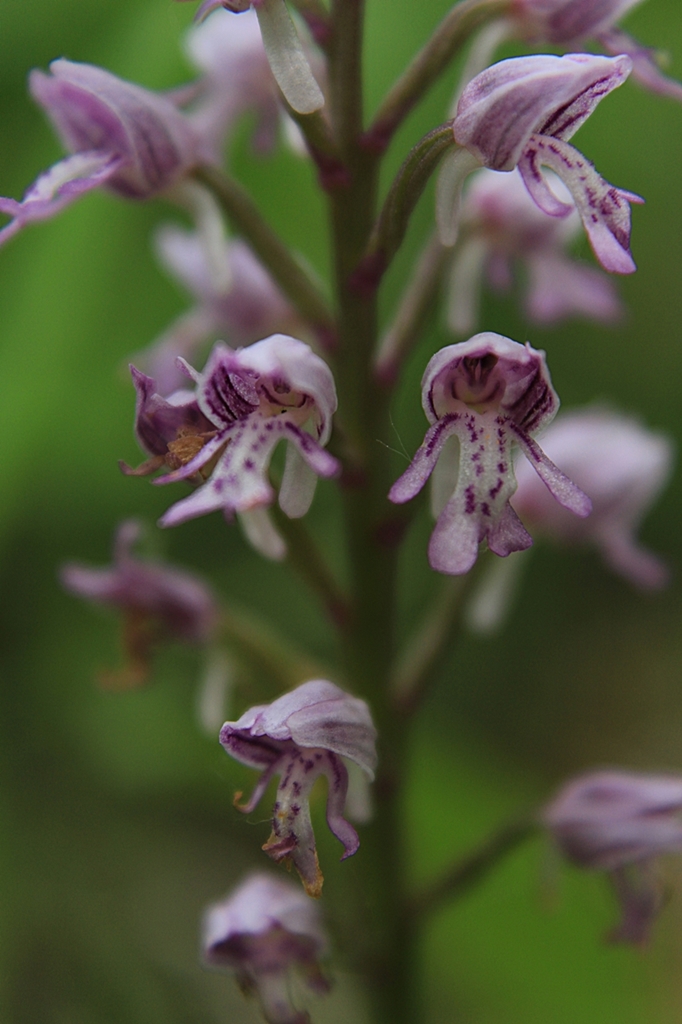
(512, 193)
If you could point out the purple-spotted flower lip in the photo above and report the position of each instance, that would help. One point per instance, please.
(304, 734)
(521, 112)
(485, 395)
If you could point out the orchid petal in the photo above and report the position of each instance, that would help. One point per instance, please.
(287, 58)
(424, 461)
(559, 287)
(58, 187)
(319, 460)
(564, 490)
(464, 289)
(337, 781)
(192, 467)
(298, 485)
(603, 209)
(262, 534)
(453, 547)
(456, 165)
(645, 69)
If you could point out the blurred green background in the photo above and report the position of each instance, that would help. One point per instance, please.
(117, 823)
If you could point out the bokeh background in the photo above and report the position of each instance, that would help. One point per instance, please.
(117, 825)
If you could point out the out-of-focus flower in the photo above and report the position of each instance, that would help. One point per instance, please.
(249, 306)
(618, 822)
(275, 390)
(521, 113)
(622, 466)
(300, 736)
(159, 603)
(567, 22)
(129, 139)
(235, 79)
(500, 225)
(482, 396)
(286, 56)
(263, 931)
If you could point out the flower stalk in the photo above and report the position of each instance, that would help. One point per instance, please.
(269, 247)
(427, 66)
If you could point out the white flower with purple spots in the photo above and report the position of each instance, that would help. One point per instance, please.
(521, 113)
(264, 931)
(255, 397)
(301, 736)
(482, 397)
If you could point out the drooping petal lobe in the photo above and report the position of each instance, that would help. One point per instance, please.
(604, 209)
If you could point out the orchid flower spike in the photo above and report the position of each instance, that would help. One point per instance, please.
(482, 396)
(159, 603)
(250, 399)
(567, 22)
(521, 113)
(502, 227)
(619, 822)
(623, 467)
(249, 307)
(300, 736)
(264, 931)
(286, 56)
(129, 139)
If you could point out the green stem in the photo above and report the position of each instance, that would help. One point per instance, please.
(306, 558)
(471, 869)
(316, 17)
(266, 243)
(404, 194)
(452, 33)
(262, 648)
(413, 311)
(384, 957)
(427, 648)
